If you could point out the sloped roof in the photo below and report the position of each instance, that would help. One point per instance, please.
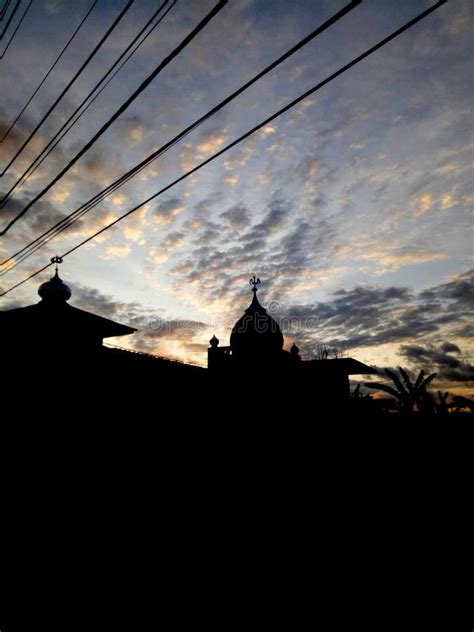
(61, 317)
(348, 366)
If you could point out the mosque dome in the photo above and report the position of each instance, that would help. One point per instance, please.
(54, 290)
(256, 335)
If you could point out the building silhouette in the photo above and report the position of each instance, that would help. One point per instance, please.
(55, 347)
(54, 331)
(256, 349)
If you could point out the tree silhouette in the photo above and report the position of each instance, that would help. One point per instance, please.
(442, 405)
(407, 393)
(328, 351)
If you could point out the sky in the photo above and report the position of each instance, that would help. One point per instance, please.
(354, 208)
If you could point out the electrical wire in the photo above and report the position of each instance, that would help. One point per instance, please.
(49, 71)
(218, 7)
(79, 72)
(10, 19)
(6, 4)
(63, 131)
(16, 29)
(96, 199)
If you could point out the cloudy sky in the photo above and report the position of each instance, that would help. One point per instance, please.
(354, 208)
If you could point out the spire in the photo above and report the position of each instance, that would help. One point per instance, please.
(254, 305)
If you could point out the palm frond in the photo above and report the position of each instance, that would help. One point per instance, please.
(396, 380)
(405, 376)
(419, 379)
(427, 381)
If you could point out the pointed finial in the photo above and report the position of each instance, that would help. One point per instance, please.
(254, 282)
(214, 341)
(56, 260)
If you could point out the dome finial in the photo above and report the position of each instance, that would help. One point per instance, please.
(56, 260)
(54, 290)
(254, 281)
(255, 305)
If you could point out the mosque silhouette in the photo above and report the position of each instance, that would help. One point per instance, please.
(53, 340)
(256, 349)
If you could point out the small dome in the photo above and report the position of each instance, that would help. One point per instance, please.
(54, 290)
(256, 335)
(214, 342)
(294, 349)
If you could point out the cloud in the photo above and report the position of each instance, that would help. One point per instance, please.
(118, 199)
(460, 290)
(450, 347)
(91, 299)
(116, 252)
(137, 134)
(368, 316)
(168, 337)
(37, 220)
(421, 203)
(60, 193)
(440, 360)
(236, 217)
(160, 254)
(385, 254)
(266, 131)
(232, 180)
(399, 258)
(167, 210)
(173, 328)
(211, 143)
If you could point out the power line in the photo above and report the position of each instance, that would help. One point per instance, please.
(290, 105)
(49, 71)
(219, 6)
(28, 250)
(10, 19)
(81, 69)
(62, 131)
(16, 29)
(6, 4)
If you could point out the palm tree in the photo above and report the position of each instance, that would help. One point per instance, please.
(407, 393)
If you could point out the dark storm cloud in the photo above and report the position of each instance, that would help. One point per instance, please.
(450, 347)
(431, 358)
(459, 290)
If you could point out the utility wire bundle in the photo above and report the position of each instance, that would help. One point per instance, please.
(28, 250)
